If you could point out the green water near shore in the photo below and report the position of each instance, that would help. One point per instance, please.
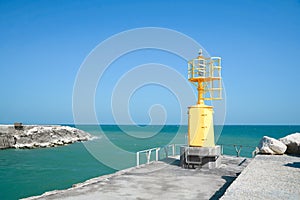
(25, 172)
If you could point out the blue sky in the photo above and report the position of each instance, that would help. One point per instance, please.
(43, 43)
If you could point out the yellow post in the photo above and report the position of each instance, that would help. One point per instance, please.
(200, 124)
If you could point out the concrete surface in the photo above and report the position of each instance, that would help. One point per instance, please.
(267, 177)
(157, 180)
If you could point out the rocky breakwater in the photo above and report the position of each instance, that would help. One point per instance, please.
(35, 136)
(289, 144)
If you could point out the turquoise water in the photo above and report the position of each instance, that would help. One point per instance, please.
(26, 172)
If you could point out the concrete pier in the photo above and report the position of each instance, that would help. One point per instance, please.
(157, 180)
(267, 177)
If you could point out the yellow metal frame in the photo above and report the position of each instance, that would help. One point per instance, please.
(205, 74)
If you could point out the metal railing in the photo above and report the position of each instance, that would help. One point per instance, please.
(147, 152)
(173, 148)
(238, 148)
(165, 149)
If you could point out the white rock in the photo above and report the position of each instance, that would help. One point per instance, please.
(268, 145)
(49, 136)
(22, 146)
(44, 144)
(292, 142)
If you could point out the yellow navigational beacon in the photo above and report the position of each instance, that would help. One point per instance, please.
(205, 74)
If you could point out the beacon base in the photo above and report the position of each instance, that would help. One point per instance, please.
(201, 157)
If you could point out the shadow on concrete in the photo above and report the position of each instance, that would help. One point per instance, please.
(218, 194)
(294, 164)
(294, 155)
(243, 162)
(171, 161)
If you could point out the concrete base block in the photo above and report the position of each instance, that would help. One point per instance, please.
(204, 157)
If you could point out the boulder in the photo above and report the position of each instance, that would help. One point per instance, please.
(292, 142)
(268, 145)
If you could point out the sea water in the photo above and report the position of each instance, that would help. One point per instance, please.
(28, 172)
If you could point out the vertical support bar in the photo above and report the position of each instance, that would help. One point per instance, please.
(166, 151)
(137, 158)
(238, 150)
(156, 152)
(148, 155)
(222, 149)
(173, 149)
